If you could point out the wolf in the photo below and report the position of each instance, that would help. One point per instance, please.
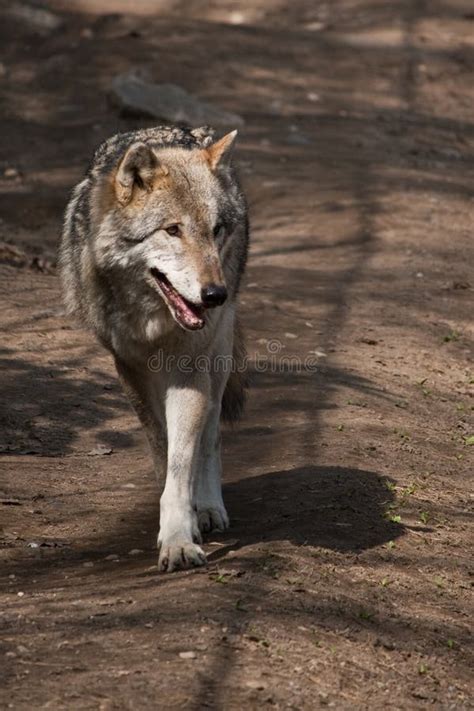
(151, 257)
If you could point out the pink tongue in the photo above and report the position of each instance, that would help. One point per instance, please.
(184, 311)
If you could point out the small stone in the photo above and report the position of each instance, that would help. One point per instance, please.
(135, 551)
(112, 556)
(88, 564)
(255, 684)
(11, 173)
(100, 450)
(38, 19)
(20, 594)
(187, 655)
(316, 26)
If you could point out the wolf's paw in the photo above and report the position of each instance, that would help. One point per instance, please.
(212, 518)
(179, 555)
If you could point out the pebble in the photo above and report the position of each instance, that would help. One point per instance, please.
(88, 564)
(20, 594)
(188, 655)
(135, 551)
(112, 556)
(11, 173)
(255, 684)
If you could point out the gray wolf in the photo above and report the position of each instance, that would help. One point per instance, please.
(151, 257)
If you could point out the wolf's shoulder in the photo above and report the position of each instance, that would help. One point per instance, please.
(108, 153)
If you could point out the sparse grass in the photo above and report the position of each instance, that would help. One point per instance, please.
(421, 384)
(424, 517)
(451, 336)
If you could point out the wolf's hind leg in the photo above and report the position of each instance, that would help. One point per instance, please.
(140, 397)
(211, 511)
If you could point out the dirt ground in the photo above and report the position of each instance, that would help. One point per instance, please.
(343, 581)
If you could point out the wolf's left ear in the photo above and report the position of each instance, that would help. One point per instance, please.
(220, 152)
(138, 169)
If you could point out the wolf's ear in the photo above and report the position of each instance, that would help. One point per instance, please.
(220, 152)
(138, 168)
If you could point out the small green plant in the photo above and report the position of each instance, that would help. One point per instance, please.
(424, 390)
(409, 490)
(340, 428)
(391, 545)
(222, 578)
(422, 669)
(385, 582)
(451, 336)
(396, 518)
(424, 517)
(468, 440)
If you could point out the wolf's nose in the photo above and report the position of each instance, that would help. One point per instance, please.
(213, 295)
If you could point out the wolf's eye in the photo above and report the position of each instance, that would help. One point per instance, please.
(219, 230)
(173, 230)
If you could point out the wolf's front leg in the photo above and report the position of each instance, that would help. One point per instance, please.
(187, 406)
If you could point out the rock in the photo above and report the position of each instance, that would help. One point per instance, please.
(187, 655)
(101, 449)
(135, 551)
(37, 18)
(256, 684)
(11, 173)
(167, 102)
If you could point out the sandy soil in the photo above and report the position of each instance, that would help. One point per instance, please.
(344, 579)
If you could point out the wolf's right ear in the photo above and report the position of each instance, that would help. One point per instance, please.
(138, 169)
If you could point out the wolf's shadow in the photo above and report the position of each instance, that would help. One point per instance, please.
(337, 508)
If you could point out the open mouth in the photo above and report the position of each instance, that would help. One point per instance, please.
(187, 314)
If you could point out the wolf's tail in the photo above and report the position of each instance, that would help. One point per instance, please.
(235, 394)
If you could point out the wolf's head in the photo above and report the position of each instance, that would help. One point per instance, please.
(166, 216)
